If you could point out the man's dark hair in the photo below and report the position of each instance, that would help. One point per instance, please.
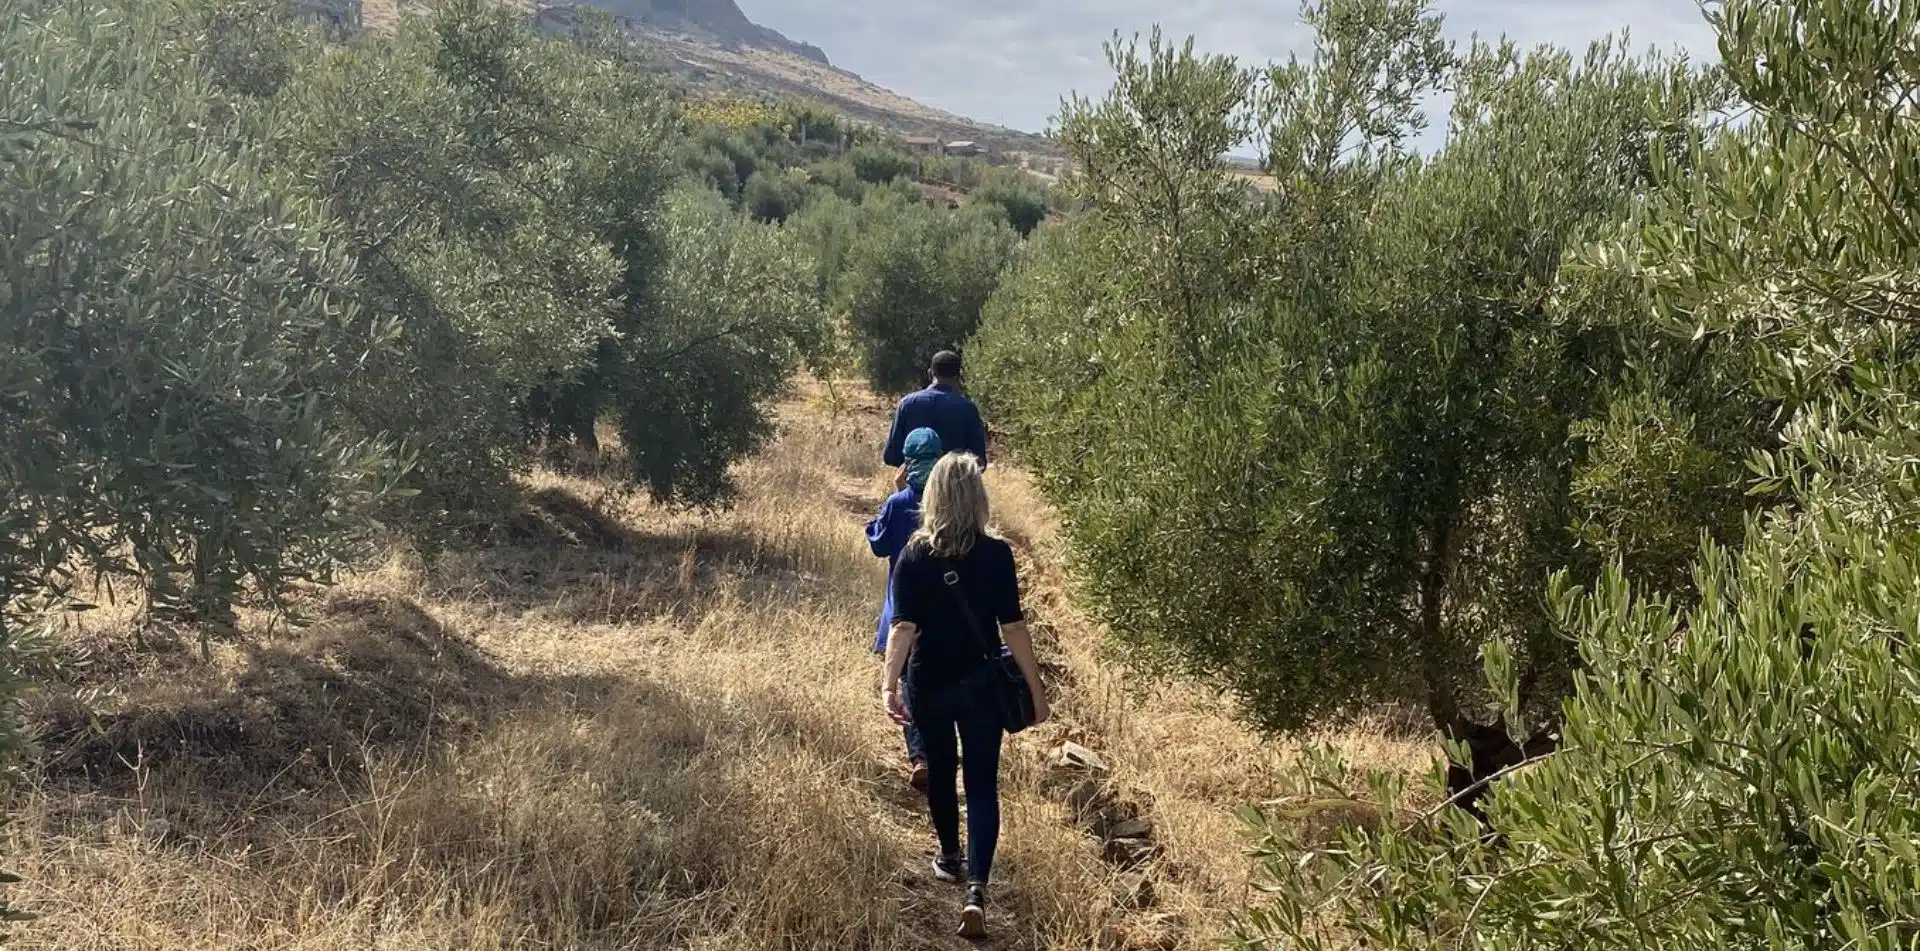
(946, 365)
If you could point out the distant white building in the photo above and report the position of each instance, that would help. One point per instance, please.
(966, 147)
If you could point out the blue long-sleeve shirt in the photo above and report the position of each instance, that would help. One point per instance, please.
(887, 535)
(946, 411)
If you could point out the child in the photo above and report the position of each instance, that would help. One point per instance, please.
(887, 535)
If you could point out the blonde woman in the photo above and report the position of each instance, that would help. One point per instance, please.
(944, 648)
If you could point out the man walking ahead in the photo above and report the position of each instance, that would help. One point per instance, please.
(942, 408)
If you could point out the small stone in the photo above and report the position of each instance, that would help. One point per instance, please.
(1131, 829)
(1072, 755)
(1083, 796)
(1130, 853)
(1134, 890)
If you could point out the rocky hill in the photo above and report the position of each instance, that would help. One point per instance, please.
(764, 70)
(722, 20)
(713, 45)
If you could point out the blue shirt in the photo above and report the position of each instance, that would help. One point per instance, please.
(887, 535)
(946, 411)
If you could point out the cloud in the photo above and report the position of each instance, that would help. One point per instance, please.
(1009, 62)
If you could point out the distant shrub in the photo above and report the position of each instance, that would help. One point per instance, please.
(814, 125)
(915, 284)
(712, 167)
(840, 177)
(1023, 202)
(772, 195)
(878, 164)
(828, 227)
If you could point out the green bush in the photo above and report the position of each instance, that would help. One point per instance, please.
(742, 151)
(735, 313)
(828, 226)
(1737, 774)
(713, 168)
(915, 284)
(958, 171)
(878, 164)
(772, 196)
(811, 124)
(1023, 202)
(839, 177)
(1037, 354)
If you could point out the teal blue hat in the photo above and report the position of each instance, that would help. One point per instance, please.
(922, 450)
(923, 443)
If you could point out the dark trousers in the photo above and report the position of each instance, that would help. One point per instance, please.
(956, 719)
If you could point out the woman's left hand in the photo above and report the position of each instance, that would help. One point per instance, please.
(890, 701)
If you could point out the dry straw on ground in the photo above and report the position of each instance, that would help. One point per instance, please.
(602, 724)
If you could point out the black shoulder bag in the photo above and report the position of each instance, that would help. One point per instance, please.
(1012, 697)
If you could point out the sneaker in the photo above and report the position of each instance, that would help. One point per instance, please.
(917, 775)
(949, 868)
(973, 917)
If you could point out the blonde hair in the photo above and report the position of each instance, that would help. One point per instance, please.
(953, 510)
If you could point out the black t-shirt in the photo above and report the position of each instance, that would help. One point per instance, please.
(946, 651)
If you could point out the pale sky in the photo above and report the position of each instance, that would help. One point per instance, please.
(1009, 62)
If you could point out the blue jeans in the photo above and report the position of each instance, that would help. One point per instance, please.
(956, 719)
(916, 751)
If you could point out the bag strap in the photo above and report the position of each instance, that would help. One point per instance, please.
(951, 577)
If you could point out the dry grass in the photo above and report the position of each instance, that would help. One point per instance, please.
(381, 16)
(1256, 178)
(606, 725)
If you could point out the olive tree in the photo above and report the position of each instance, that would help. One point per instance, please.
(179, 338)
(1325, 447)
(879, 164)
(732, 316)
(457, 155)
(508, 195)
(175, 339)
(1737, 767)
